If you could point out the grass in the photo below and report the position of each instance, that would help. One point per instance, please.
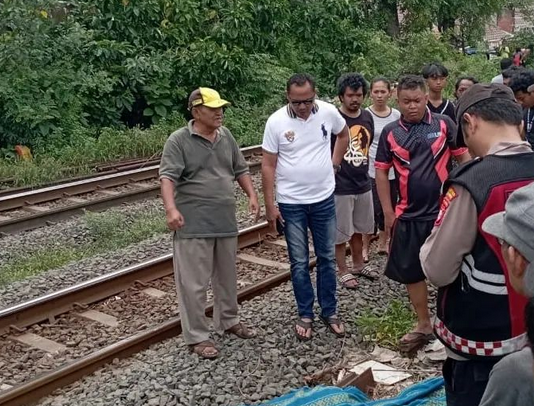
(107, 232)
(386, 326)
(85, 151)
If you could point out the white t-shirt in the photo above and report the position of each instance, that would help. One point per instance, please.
(304, 172)
(380, 123)
(498, 79)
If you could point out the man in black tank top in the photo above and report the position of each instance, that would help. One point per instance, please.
(479, 320)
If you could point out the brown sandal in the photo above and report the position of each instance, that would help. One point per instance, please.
(241, 331)
(205, 349)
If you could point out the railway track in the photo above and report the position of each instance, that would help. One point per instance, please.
(26, 209)
(19, 323)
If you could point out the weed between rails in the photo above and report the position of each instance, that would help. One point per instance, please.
(106, 232)
(386, 327)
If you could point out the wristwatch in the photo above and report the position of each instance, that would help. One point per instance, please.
(337, 168)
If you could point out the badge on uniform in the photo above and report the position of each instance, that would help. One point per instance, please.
(290, 135)
(445, 203)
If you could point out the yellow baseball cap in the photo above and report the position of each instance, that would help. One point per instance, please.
(204, 96)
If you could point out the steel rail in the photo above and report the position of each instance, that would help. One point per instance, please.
(106, 169)
(45, 384)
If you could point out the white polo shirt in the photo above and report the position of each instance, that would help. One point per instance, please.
(304, 172)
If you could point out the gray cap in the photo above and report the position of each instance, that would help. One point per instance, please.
(515, 224)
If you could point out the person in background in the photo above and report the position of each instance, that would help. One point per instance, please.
(511, 381)
(505, 64)
(297, 153)
(419, 147)
(517, 58)
(509, 73)
(382, 115)
(436, 76)
(462, 84)
(353, 195)
(522, 86)
(199, 165)
(479, 319)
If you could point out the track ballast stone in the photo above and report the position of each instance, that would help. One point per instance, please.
(247, 371)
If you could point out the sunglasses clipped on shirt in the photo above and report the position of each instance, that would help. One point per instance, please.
(307, 102)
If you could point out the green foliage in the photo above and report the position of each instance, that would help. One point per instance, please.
(386, 327)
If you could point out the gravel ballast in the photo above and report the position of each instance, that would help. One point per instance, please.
(247, 370)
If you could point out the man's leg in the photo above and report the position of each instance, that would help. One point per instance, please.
(356, 245)
(322, 220)
(418, 293)
(362, 218)
(466, 381)
(224, 283)
(296, 233)
(344, 231)
(193, 260)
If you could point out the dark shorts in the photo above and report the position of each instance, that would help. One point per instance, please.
(466, 381)
(379, 213)
(407, 238)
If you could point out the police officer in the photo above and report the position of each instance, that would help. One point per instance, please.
(479, 320)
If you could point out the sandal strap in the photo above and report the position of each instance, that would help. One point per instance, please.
(347, 277)
(304, 324)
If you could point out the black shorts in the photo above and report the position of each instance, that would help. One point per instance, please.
(379, 213)
(407, 238)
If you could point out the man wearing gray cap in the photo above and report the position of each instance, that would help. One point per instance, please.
(479, 318)
(511, 381)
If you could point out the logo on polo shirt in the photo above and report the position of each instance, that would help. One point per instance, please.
(290, 135)
(431, 136)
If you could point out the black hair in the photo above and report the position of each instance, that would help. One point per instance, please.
(522, 80)
(518, 50)
(470, 78)
(434, 69)
(529, 322)
(511, 71)
(381, 79)
(353, 80)
(497, 111)
(411, 82)
(506, 63)
(300, 79)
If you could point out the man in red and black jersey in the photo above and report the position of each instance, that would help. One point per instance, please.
(419, 147)
(480, 318)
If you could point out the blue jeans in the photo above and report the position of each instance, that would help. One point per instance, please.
(320, 218)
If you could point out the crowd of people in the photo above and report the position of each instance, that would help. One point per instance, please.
(349, 175)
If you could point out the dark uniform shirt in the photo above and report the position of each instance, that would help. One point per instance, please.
(446, 108)
(528, 117)
(353, 178)
(421, 155)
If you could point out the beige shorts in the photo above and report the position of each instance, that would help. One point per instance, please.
(354, 215)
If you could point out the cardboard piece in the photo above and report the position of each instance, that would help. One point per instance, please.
(383, 374)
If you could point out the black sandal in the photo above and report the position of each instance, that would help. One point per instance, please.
(307, 325)
(333, 320)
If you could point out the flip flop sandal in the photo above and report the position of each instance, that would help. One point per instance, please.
(414, 344)
(333, 320)
(347, 278)
(307, 325)
(366, 272)
(241, 331)
(202, 350)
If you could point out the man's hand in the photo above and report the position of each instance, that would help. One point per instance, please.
(272, 214)
(389, 219)
(254, 207)
(175, 220)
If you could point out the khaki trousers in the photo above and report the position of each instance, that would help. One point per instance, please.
(196, 261)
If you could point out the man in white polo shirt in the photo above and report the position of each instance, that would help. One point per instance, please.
(296, 150)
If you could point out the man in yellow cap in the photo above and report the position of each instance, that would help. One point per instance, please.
(198, 167)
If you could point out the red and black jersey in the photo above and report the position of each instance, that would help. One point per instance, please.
(421, 155)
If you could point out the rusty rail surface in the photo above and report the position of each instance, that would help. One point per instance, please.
(99, 289)
(87, 185)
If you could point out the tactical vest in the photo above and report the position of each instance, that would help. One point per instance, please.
(479, 314)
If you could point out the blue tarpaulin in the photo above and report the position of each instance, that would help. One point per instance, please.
(426, 393)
